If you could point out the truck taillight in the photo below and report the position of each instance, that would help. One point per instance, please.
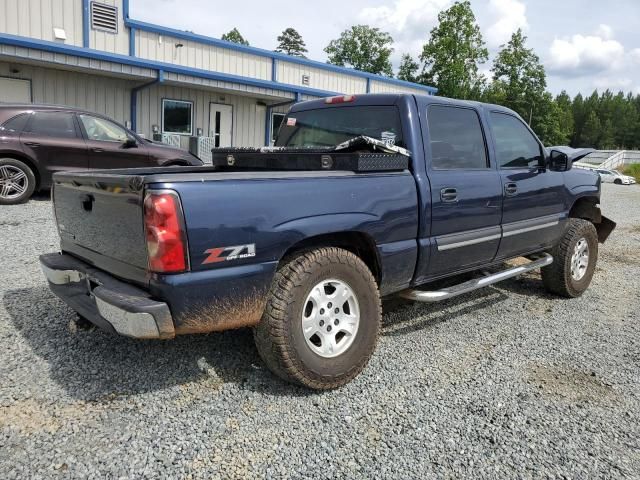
(165, 233)
(340, 99)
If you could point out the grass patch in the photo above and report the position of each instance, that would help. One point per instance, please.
(633, 170)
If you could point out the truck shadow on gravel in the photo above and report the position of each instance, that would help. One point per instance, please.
(98, 366)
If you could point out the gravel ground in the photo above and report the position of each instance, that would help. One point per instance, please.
(505, 382)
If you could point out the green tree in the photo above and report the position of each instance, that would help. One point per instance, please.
(291, 43)
(453, 53)
(234, 36)
(591, 131)
(409, 68)
(522, 75)
(363, 48)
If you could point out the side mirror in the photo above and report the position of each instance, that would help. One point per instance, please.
(558, 161)
(130, 143)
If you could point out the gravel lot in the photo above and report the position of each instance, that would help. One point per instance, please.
(505, 382)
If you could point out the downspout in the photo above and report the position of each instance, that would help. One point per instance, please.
(134, 98)
(85, 23)
(267, 130)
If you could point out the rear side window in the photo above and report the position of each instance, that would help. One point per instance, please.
(53, 124)
(516, 147)
(326, 127)
(457, 141)
(16, 124)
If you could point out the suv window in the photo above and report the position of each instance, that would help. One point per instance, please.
(17, 123)
(456, 138)
(326, 127)
(103, 130)
(516, 147)
(53, 124)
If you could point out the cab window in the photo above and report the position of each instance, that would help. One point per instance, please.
(327, 127)
(456, 138)
(516, 147)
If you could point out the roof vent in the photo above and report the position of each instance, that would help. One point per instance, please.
(104, 17)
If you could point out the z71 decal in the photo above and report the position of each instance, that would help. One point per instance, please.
(223, 254)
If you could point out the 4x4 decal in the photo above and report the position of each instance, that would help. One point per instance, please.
(223, 254)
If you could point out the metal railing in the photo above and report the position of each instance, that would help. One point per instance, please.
(611, 159)
(201, 148)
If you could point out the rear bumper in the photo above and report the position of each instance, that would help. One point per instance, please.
(105, 301)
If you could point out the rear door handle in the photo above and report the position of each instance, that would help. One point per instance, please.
(449, 195)
(32, 144)
(510, 189)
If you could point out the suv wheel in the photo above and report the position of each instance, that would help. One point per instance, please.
(322, 320)
(574, 260)
(17, 181)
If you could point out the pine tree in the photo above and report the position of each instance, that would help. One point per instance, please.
(234, 36)
(291, 43)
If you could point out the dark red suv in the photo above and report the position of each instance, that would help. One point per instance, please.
(38, 140)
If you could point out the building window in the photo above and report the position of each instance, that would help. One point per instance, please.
(177, 117)
(276, 121)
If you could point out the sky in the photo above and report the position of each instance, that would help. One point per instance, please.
(583, 44)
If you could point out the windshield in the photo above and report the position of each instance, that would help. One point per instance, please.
(326, 127)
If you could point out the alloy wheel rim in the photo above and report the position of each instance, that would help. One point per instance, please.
(580, 259)
(13, 182)
(330, 318)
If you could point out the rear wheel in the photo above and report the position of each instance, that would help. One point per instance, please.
(322, 320)
(574, 260)
(17, 181)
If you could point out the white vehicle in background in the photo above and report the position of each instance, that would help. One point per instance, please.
(613, 176)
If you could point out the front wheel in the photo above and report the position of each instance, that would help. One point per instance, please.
(17, 181)
(322, 319)
(574, 260)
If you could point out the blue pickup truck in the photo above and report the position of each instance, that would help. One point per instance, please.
(304, 255)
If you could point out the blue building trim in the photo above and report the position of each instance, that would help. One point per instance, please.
(53, 47)
(274, 70)
(194, 37)
(85, 23)
(133, 110)
(132, 41)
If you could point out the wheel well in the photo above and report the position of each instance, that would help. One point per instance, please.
(358, 243)
(587, 209)
(25, 160)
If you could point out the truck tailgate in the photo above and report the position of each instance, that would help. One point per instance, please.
(100, 220)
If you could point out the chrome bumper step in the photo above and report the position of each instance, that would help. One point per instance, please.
(539, 261)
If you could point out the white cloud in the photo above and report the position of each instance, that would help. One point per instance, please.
(604, 31)
(408, 21)
(405, 16)
(613, 83)
(585, 54)
(508, 16)
(635, 55)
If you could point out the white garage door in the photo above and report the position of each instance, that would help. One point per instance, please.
(15, 90)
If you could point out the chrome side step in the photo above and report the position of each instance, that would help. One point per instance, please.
(539, 261)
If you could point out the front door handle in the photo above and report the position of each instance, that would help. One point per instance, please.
(97, 150)
(510, 189)
(32, 144)
(449, 195)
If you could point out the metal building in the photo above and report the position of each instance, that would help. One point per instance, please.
(158, 80)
